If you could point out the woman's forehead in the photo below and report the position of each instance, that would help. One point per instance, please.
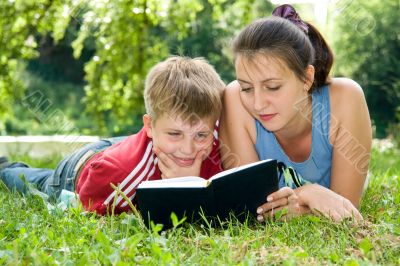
(260, 64)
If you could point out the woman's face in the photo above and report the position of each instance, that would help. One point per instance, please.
(271, 92)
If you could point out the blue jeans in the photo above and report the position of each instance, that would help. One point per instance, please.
(52, 181)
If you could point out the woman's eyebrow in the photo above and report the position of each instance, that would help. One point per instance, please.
(265, 80)
(244, 81)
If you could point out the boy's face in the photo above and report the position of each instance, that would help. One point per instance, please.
(180, 140)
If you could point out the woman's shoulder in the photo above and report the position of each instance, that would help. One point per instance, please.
(345, 95)
(343, 88)
(232, 87)
(349, 111)
(235, 118)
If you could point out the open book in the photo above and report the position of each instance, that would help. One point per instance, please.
(239, 191)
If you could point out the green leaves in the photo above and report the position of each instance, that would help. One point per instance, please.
(19, 22)
(368, 50)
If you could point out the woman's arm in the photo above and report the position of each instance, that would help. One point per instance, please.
(351, 137)
(237, 130)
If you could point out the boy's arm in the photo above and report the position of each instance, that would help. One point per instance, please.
(96, 193)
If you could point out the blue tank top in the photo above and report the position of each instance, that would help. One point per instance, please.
(317, 168)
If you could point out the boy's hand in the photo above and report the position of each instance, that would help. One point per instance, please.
(170, 169)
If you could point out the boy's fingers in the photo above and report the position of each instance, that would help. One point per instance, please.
(199, 158)
(161, 166)
(162, 157)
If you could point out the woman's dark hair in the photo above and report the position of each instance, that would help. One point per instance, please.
(294, 45)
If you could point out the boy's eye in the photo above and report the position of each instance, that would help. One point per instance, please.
(174, 134)
(202, 136)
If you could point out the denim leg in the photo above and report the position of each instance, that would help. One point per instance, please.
(66, 171)
(36, 176)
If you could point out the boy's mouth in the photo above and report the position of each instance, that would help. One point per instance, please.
(183, 161)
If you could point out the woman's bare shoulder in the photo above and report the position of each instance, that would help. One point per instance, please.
(345, 95)
(349, 110)
(342, 88)
(232, 88)
(234, 107)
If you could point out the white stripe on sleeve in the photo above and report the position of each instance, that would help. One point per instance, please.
(132, 174)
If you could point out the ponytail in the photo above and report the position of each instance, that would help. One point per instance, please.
(323, 56)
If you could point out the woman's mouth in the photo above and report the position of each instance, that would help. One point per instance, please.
(267, 117)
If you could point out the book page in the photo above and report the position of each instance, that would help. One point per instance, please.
(229, 171)
(187, 181)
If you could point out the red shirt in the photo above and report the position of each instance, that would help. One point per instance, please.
(125, 165)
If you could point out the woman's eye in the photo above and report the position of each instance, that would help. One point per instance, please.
(248, 89)
(273, 88)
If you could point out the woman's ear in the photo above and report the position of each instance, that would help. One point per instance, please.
(310, 72)
(147, 125)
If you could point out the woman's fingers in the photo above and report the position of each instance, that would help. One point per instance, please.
(353, 213)
(272, 205)
(281, 193)
(269, 214)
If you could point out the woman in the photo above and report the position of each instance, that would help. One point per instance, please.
(284, 106)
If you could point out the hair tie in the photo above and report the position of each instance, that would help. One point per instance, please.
(288, 12)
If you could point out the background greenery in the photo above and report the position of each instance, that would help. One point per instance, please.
(73, 66)
(32, 235)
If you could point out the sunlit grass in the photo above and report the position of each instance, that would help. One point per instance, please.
(30, 234)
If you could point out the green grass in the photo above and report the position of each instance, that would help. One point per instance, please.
(29, 234)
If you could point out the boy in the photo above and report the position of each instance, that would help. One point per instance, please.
(183, 102)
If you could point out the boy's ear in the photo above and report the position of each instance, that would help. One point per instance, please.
(310, 72)
(147, 125)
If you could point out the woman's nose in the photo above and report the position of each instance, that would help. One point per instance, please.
(260, 101)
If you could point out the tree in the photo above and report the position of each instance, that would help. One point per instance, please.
(122, 33)
(20, 23)
(368, 50)
(125, 38)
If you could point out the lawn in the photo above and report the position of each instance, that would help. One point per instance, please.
(30, 234)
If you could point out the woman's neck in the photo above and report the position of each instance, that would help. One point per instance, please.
(299, 127)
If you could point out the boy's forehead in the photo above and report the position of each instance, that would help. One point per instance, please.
(182, 122)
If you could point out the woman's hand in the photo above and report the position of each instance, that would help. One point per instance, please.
(284, 199)
(321, 200)
(170, 169)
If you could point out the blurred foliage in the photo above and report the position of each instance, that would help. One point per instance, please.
(75, 66)
(114, 43)
(368, 49)
(20, 22)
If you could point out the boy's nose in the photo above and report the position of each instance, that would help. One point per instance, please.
(188, 147)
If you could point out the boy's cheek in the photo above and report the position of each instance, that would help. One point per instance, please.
(208, 150)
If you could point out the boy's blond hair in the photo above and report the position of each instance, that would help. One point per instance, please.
(186, 87)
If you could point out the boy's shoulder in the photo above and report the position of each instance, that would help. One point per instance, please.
(131, 150)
